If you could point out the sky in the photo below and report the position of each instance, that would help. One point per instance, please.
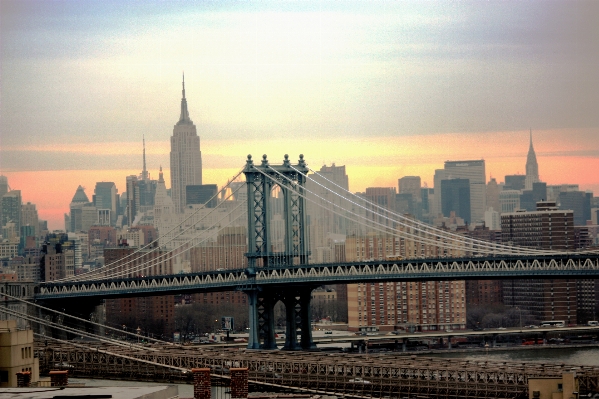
(388, 89)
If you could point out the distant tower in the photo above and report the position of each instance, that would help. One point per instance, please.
(144, 173)
(186, 157)
(163, 204)
(532, 168)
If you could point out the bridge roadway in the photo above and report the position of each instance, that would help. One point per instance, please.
(347, 337)
(462, 333)
(568, 265)
(358, 376)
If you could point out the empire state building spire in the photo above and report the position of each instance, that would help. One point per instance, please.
(532, 167)
(184, 118)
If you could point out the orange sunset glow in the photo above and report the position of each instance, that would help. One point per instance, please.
(370, 162)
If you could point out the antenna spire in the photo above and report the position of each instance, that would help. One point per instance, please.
(144, 173)
(184, 118)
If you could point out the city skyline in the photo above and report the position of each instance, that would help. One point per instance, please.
(389, 90)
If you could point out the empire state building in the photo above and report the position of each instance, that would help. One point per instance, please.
(186, 157)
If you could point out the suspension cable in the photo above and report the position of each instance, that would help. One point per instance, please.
(386, 228)
(152, 244)
(162, 257)
(80, 319)
(414, 224)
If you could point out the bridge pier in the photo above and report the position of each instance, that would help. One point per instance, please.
(404, 345)
(298, 315)
(87, 309)
(449, 342)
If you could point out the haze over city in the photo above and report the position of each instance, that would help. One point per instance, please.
(387, 89)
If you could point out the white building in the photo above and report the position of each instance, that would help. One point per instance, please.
(492, 220)
(186, 157)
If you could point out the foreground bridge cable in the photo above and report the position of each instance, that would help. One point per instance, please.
(364, 376)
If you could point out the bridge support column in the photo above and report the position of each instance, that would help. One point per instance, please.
(254, 338)
(404, 345)
(290, 324)
(306, 319)
(261, 318)
(494, 341)
(449, 342)
(545, 338)
(266, 314)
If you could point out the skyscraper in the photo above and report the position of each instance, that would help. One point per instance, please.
(474, 171)
(186, 157)
(456, 198)
(11, 209)
(105, 198)
(132, 199)
(79, 200)
(532, 168)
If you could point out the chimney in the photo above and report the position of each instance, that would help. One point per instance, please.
(239, 383)
(59, 378)
(201, 383)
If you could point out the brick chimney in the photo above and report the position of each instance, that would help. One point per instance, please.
(23, 379)
(239, 383)
(201, 383)
(59, 378)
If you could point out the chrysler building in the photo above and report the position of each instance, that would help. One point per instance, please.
(186, 157)
(532, 168)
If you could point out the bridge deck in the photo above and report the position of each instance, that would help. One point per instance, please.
(355, 375)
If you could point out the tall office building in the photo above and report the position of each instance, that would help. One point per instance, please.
(163, 204)
(133, 203)
(105, 198)
(3, 190)
(410, 185)
(3, 185)
(579, 202)
(321, 188)
(409, 197)
(493, 194)
(202, 194)
(186, 157)
(529, 198)
(11, 209)
(515, 182)
(79, 200)
(532, 168)
(455, 194)
(475, 172)
(30, 217)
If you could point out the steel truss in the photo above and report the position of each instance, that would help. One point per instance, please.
(549, 266)
(385, 375)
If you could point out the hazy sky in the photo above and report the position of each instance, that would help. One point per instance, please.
(386, 88)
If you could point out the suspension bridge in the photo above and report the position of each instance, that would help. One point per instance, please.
(273, 209)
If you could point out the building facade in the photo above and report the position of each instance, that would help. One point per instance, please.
(474, 171)
(546, 228)
(186, 157)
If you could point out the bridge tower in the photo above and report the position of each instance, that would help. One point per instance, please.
(261, 180)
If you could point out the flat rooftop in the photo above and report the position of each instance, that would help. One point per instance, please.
(145, 392)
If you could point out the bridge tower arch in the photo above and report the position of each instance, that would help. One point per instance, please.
(261, 179)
